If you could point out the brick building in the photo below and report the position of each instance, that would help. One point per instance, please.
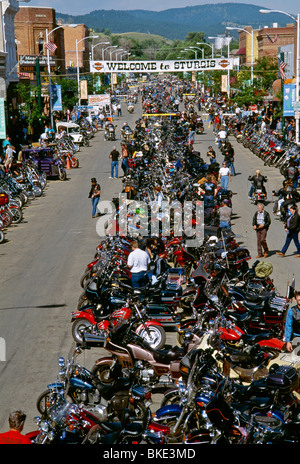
(73, 33)
(31, 27)
(279, 35)
(245, 46)
(266, 42)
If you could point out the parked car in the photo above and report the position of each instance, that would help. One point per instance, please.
(71, 129)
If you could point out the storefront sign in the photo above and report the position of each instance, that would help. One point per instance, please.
(27, 63)
(99, 100)
(161, 66)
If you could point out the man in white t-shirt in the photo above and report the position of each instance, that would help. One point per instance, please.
(224, 176)
(222, 136)
(138, 261)
(9, 155)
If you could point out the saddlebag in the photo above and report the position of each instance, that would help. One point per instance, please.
(286, 378)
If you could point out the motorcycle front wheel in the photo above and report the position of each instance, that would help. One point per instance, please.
(62, 174)
(154, 335)
(17, 215)
(79, 326)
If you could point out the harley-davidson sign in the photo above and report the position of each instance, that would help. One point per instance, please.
(209, 64)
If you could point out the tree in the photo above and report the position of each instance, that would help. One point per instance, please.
(195, 37)
(68, 92)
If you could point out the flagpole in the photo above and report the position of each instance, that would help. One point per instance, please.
(49, 80)
(49, 74)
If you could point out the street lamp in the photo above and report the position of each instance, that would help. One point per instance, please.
(191, 50)
(211, 46)
(251, 34)
(126, 53)
(202, 49)
(93, 46)
(77, 58)
(112, 51)
(297, 20)
(103, 50)
(120, 50)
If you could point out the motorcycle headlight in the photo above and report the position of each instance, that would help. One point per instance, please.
(44, 426)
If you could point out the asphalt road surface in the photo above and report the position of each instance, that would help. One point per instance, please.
(44, 258)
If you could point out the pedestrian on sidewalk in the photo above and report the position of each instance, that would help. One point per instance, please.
(292, 228)
(261, 223)
(114, 156)
(224, 176)
(94, 195)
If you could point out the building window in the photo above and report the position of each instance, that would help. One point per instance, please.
(41, 45)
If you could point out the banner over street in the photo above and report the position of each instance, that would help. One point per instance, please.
(209, 64)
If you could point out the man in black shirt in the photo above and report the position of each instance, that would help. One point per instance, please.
(94, 195)
(114, 156)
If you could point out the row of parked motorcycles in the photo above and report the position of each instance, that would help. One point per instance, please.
(16, 192)
(27, 179)
(271, 147)
(228, 380)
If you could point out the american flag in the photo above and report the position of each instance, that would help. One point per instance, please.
(51, 46)
(282, 66)
(272, 40)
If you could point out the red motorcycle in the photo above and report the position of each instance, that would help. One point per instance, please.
(89, 318)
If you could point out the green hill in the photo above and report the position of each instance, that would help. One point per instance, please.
(176, 23)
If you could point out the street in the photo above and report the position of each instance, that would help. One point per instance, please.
(45, 256)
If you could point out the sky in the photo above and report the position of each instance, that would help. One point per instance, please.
(78, 7)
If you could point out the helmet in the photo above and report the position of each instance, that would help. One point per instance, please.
(213, 240)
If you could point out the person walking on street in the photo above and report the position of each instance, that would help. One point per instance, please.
(114, 156)
(292, 326)
(292, 227)
(224, 176)
(119, 108)
(222, 137)
(124, 164)
(14, 436)
(225, 213)
(211, 154)
(261, 223)
(94, 194)
(138, 261)
(229, 152)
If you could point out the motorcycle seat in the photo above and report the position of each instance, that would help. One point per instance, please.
(107, 391)
(253, 298)
(111, 427)
(169, 355)
(132, 429)
(251, 339)
(255, 404)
